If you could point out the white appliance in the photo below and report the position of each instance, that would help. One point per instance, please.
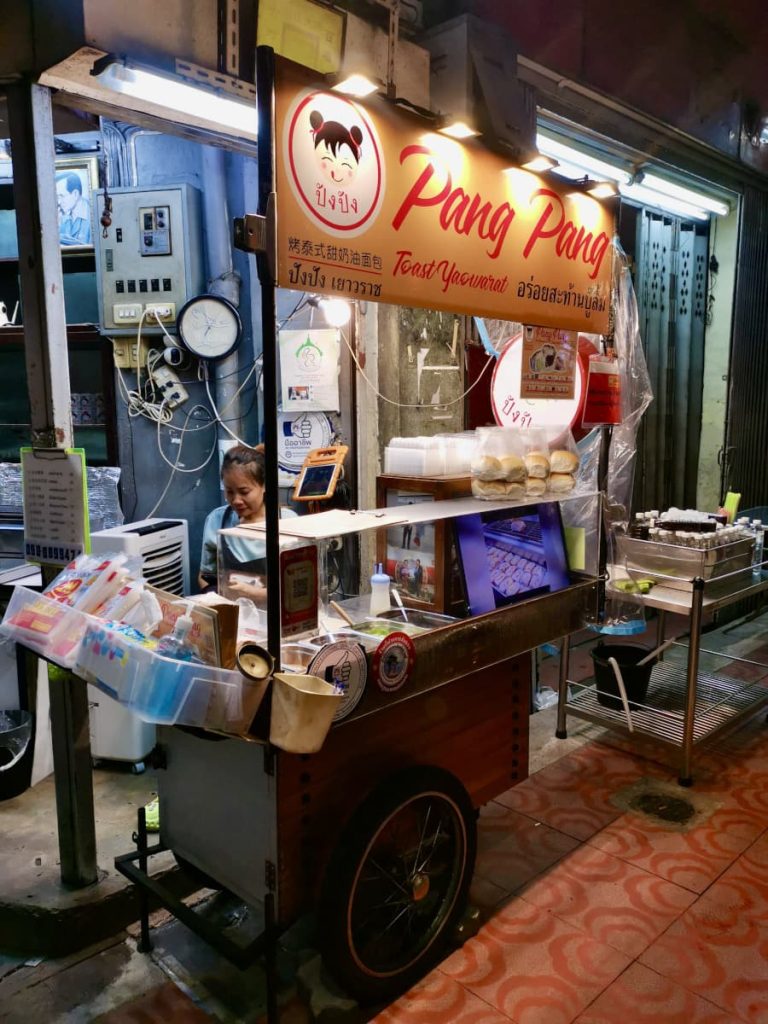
(162, 543)
(116, 733)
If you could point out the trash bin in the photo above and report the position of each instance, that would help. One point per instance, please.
(636, 677)
(16, 752)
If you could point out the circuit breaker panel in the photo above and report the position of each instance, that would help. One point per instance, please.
(150, 259)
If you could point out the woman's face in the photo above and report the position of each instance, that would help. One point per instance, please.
(244, 495)
(340, 168)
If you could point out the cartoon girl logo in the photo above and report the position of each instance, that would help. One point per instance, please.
(337, 149)
(334, 163)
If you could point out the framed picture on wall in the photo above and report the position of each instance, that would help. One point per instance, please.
(77, 177)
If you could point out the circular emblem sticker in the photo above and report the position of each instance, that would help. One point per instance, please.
(342, 663)
(393, 662)
(298, 434)
(333, 159)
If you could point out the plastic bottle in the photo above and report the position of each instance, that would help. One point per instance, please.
(380, 584)
(177, 644)
(757, 557)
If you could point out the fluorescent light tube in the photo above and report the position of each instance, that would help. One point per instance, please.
(687, 195)
(590, 164)
(182, 97)
(650, 197)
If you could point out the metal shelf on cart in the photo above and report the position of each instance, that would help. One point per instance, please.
(721, 704)
(717, 594)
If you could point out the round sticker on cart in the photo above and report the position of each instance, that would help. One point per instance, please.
(393, 662)
(342, 663)
(298, 434)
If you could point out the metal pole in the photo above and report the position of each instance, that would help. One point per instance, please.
(689, 719)
(561, 731)
(265, 102)
(45, 347)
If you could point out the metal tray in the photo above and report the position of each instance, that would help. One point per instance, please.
(678, 566)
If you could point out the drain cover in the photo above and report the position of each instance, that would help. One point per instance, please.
(663, 806)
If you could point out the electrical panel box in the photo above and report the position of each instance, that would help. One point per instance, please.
(152, 256)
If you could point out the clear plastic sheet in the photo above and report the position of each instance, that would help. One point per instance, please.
(623, 612)
(103, 501)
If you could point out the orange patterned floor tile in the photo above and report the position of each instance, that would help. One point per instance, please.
(574, 794)
(512, 848)
(692, 859)
(533, 967)
(613, 901)
(439, 1000)
(730, 972)
(640, 995)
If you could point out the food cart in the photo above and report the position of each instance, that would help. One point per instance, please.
(376, 829)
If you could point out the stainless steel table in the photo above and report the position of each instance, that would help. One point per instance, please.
(684, 706)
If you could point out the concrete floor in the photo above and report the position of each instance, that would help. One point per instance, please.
(183, 979)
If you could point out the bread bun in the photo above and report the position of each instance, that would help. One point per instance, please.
(561, 483)
(537, 464)
(488, 488)
(535, 487)
(487, 467)
(515, 489)
(563, 461)
(513, 468)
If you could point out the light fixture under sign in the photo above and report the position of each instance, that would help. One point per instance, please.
(456, 129)
(357, 85)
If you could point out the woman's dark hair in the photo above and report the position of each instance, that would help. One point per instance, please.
(249, 459)
(334, 134)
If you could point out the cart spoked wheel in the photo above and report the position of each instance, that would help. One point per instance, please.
(397, 882)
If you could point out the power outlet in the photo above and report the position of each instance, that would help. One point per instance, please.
(160, 311)
(171, 389)
(125, 352)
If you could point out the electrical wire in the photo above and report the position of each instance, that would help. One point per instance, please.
(219, 420)
(175, 468)
(418, 405)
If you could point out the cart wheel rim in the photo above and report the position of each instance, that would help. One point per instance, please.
(406, 884)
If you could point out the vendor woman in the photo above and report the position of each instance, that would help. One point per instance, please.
(242, 474)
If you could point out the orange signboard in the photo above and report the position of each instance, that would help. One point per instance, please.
(371, 204)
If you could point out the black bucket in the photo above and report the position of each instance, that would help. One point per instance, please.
(636, 677)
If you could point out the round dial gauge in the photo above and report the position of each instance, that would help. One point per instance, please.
(209, 327)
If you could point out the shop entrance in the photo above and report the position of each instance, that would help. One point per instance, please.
(671, 257)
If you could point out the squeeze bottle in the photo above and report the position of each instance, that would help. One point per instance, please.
(380, 584)
(176, 644)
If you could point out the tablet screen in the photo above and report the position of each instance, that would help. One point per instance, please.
(316, 481)
(510, 555)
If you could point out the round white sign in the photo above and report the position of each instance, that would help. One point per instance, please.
(510, 410)
(342, 663)
(299, 433)
(334, 162)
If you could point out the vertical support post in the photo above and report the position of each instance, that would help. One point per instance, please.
(561, 732)
(45, 346)
(692, 679)
(145, 943)
(270, 935)
(266, 265)
(73, 778)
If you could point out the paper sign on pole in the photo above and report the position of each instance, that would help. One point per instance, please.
(55, 504)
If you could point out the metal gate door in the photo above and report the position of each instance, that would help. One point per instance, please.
(746, 465)
(671, 294)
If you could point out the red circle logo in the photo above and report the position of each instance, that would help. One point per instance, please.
(393, 661)
(334, 162)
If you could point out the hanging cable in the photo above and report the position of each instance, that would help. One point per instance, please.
(418, 405)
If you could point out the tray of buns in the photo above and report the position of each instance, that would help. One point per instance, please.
(509, 463)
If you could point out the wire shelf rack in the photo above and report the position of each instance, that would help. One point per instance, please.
(721, 703)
